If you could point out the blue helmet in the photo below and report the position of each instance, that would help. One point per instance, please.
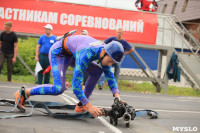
(115, 50)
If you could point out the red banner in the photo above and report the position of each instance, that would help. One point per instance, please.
(29, 16)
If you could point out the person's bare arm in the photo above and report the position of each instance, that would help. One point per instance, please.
(37, 52)
(128, 52)
(93, 110)
(117, 95)
(15, 52)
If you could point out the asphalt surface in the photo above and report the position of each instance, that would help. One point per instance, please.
(176, 114)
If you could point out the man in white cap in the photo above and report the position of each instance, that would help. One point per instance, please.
(42, 50)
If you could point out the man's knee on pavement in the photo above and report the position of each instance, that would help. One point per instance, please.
(58, 89)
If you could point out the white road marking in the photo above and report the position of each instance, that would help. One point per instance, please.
(161, 110)
(178, 111)
(7, 87)
(147, 97)
(195, 99)
(102, 120)
(70, 98)
(66, 99)
(114, 129)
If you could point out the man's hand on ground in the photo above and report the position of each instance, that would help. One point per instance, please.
(93, 110)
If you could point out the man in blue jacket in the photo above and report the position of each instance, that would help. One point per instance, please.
(127, 48)
(42, 50)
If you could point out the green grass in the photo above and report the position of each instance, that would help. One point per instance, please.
(28, 79)
(19, 79)
(126, 86)
(183, 91)
(146, 87)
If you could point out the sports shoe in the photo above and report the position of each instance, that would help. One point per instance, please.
(80, 108)
(21, 103)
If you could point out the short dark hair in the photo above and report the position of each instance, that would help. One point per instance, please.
(9, 23)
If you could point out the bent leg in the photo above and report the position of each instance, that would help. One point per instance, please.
(95, 72)
(59, 64)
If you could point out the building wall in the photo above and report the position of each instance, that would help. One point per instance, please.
(192, 11)
(194, 29)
